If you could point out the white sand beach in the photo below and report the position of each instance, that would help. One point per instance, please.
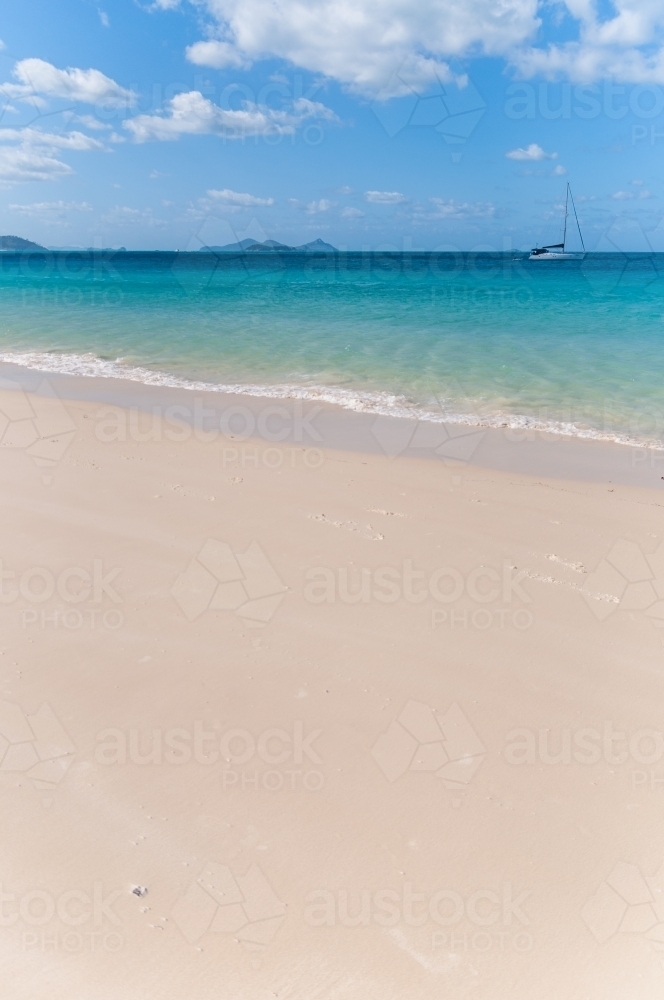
(282, 718)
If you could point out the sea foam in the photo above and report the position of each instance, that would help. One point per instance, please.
(360, 401)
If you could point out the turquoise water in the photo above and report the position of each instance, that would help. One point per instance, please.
(570, 346)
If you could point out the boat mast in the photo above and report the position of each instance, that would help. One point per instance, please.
(565, 229)
(577, 222)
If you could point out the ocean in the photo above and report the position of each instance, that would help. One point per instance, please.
(568, 347)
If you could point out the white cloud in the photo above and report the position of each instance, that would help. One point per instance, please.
(229, 197)
(218, 55)
(352, 213)
(314, 109)
(39, 207)
(364, 44)
(91, 122)
(531, 152)
(642, 194)
(559, 171)
(20, 163)
(2, 45)
(385, 197)
(450, 209)
(19, 92)
(103, 17)
(51, 140)
(86, 86)
(315, 207)
(123, 215)
(50, 209)
(193, 114)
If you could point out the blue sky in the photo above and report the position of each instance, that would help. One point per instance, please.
(446, 123)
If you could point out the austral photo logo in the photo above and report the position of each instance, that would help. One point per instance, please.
(491, 598)
(220, 580)
(40, 425)
(627, 902)
(222, 901)
(34, 745)
(628, 579)
(71, 598)
(422, 739)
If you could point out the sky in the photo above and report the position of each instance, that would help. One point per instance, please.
(381, 124)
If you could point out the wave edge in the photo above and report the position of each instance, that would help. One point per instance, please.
(380, 403)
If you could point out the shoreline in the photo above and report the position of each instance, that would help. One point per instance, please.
(372, 401)
(240, 417)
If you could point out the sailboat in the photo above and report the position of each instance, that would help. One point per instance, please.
(556, 251)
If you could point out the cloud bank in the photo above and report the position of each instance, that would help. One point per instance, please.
(29, 154)
(365, 44)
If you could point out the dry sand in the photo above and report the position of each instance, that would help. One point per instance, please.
(279, 691)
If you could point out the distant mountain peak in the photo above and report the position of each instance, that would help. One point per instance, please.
(318, 245)
(270, 246)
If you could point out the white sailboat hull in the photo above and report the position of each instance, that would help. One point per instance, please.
(556, 256)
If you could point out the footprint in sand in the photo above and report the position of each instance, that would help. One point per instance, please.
(364, 531)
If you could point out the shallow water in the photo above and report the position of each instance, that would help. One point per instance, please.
(572, 346)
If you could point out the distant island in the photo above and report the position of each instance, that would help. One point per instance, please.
(85, 249)
(16, 243)
(271, 246)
